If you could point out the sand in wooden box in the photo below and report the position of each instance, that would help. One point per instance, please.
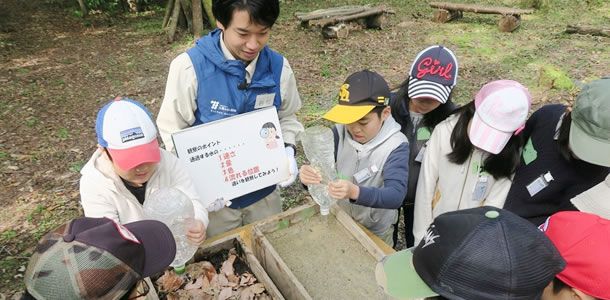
(323, 257)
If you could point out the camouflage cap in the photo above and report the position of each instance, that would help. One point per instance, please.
(90, 258)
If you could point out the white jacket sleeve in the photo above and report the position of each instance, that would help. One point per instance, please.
(426, 186)
(499, 191)
(291, 103)
(96, 205)
(179, 103)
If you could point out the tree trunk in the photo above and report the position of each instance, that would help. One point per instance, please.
(188, 13)
(207, 6)
(197, 19)
(168, 12)
(83, 7)
(173, 22)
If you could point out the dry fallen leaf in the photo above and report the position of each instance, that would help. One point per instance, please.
(199, 294)
(225, 293)
(227, 265)
(246, 294)
(233, 278)
(258, 288)
(263, 296)
(222, 280)
(201, 268)
(246, 279)
(197, 284)
(206, 283)
(173, 296)
(169, 282)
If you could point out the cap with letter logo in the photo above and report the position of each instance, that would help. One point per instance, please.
(361, 92)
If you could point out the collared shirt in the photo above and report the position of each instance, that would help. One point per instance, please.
(250, 68)
(180, 100)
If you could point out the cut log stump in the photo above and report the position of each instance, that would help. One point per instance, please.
(335, 31)
(444, 16)
(508, 23)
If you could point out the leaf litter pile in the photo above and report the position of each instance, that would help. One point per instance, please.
(201, 280)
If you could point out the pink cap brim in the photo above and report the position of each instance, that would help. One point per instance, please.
(486, 137)
(127, 159)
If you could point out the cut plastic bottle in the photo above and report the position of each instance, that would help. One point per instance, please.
(320, 151)
(174, 209)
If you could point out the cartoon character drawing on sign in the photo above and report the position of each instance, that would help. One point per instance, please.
(269, 133)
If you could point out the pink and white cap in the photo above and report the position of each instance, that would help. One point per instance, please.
(126, 129)
(501, 111)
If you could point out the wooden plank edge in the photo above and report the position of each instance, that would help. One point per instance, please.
(259, 271)
(274, 264)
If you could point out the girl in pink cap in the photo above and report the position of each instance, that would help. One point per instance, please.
(472, 155)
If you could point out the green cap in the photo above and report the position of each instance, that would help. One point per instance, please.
(396, 275)
(590, 128)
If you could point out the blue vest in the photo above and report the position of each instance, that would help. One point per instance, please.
(222, 92)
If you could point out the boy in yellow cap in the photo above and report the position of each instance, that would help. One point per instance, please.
(370, 152)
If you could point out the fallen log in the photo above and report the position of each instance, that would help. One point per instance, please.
(481, 9)
(376, 11)
(578, 29)
(330, 12)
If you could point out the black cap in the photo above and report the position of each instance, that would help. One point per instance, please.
(478, 253)
(361, 92)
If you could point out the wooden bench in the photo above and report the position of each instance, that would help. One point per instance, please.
(510, 20)
(333, 21)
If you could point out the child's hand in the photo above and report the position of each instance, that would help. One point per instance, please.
(196, 232)
(343, 189)
(309, 175)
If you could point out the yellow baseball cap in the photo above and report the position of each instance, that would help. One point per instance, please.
(361, 92)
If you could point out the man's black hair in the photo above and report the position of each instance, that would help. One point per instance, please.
(262, 12)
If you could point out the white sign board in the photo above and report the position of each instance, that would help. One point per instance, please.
(234, 156)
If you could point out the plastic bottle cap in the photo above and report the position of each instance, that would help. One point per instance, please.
(180, 269)
(324, 211)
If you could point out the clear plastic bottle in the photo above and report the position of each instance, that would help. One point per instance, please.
(320, 151)
(175, 209)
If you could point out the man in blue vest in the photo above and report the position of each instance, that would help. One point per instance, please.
(229, 72)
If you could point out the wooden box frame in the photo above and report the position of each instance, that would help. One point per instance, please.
(246, 255)
(275, 266)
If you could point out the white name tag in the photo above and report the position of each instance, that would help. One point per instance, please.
(420, 154)
(539, 183)
(365, 174)
(264, 100)
(480, 189)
